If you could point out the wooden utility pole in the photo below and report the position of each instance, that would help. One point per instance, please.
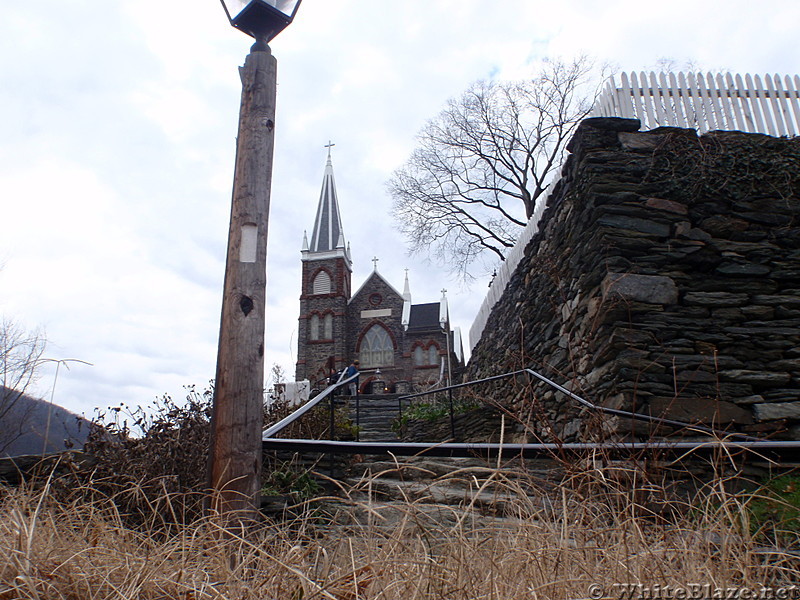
(237, 417)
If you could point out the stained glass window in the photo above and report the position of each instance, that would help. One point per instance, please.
(377, 349)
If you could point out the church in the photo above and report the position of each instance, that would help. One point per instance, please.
(402, 347)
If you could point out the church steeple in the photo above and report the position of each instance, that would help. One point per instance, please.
(322, 336)
(328, 234)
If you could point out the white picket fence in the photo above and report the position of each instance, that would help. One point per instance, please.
(705, 102)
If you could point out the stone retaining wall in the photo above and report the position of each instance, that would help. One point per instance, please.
(665, 279)
(477, 425)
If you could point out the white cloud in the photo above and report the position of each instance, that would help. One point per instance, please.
(116, 154)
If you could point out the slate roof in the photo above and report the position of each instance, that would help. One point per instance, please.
(328, 233)
(424, 316)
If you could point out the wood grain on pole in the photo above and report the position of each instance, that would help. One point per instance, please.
(237, 417)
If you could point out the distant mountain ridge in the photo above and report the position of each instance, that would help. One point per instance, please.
(67, 429)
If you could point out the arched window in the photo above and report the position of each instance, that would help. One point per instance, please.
(419, 356)
(426, 357)
(377, 349)
(327, 327)
(433, 355)
(313, 327)
(322, 283)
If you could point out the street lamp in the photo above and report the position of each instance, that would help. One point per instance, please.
(237, 413)
(261, 19)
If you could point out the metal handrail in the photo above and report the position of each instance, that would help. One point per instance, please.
(280, 425)
(580, 400)
(286, 421)
(768, 450)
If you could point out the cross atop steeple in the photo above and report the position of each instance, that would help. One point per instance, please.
(329, 145)
(375, 262)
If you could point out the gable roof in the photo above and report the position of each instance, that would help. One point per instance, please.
(368, 279)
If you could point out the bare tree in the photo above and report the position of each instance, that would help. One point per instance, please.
(480, 166)
(278, 379)
(20, 354)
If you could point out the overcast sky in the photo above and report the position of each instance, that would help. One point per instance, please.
(117, 143)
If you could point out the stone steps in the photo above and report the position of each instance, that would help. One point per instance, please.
(432, 491)
(443, 492)
(377, 413)
(453, 482)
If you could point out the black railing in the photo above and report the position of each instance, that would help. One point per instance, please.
(720, 440)
(572, 396)
(768, 451)
(328, 392)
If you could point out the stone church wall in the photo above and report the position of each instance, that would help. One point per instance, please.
(315, 357)
(665, 279)
(423, 377)
(377, 297)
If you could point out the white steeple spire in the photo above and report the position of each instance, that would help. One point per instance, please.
(406, 316)
(444, 317)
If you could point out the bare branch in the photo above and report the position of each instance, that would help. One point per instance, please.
(481, 165)
(20, 354)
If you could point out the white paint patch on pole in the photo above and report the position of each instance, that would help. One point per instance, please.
(248, 246)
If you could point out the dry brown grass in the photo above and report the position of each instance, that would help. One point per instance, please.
(83, 550)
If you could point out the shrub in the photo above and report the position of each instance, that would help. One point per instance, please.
(775, 509)
(154, 460)
(433, 411)
(145, 457)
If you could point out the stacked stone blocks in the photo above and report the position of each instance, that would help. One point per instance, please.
(665, 279)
